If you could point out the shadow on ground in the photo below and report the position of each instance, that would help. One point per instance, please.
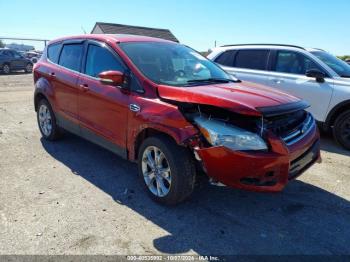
(328, 144)
(303, 219)
(14, 73)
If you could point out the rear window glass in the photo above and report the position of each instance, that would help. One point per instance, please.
(252, 59)
(226, 58)
(71, 56)
(53, 52)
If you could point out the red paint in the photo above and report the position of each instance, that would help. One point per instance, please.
(115, 77)
(238, 97)
(104, 109)
(230, 167)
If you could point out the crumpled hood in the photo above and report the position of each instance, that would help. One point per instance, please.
(244, 97)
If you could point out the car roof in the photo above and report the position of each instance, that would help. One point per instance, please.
(264, 46)
(120, 38)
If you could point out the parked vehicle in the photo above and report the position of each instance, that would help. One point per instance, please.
(174, 112)
(33, 56)
(11, 60)
(311, 74)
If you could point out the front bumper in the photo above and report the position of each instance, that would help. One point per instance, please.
(262, 171)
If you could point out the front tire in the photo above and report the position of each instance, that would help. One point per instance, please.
(47, 121)
(166, 169)
(6, 69)
(341, 129)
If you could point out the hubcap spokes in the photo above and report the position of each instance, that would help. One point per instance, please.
(29, 68)
(156, 171)
(6, 69)
(45, 120)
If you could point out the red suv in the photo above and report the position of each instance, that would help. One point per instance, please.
(173, 111)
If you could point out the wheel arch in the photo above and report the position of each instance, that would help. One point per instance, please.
(149, 132)
(37, 97)
(42, 90)
(335, 112)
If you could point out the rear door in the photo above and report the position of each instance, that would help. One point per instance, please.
(289, 69)
(102, 108)
(19, 60)
(66, 83)
(247, 64)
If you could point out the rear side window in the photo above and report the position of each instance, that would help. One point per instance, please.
(294, 63)
(252, 59)
(71, 56)
(226, 58)
(8, 53)
(100, 59)
(53, 52)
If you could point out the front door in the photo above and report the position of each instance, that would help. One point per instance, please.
(289, 76)
(102, 108)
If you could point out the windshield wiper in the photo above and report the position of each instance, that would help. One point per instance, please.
(345, 76)
(213, 80)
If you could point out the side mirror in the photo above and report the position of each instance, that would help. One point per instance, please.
(315, 73)
(115, 78)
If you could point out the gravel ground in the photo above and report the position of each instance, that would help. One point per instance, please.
(72, 197)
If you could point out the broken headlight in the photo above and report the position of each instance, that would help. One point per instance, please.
(219, 133)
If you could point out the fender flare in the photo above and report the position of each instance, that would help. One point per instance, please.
(178, 137)
(334, 112)
(43, 88)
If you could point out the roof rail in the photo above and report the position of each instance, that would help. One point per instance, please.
(266, 44)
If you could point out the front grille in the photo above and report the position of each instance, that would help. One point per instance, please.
(291, 127)
(302, 130)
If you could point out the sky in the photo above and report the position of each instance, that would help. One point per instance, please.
(310, 23)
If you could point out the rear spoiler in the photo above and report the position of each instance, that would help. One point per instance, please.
(269, 111)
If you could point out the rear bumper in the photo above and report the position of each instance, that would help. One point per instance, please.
(262, 171)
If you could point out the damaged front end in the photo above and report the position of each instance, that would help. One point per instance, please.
(251, 152)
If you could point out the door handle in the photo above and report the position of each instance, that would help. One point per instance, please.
(84, 87)
(52, 74)
(277, 80)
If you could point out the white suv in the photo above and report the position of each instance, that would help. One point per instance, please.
(312, 74)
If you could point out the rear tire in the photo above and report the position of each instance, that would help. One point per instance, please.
(47, 121)
(341, 129)
(29, 68)
(177, 182)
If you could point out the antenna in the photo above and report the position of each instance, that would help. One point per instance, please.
(82, 28)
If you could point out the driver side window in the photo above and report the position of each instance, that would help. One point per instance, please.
(99, 59)
(294, 63)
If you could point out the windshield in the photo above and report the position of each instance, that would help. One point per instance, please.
(339, 66)
(173, 64)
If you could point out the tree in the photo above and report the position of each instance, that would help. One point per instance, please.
(345, 57)
(2, 45)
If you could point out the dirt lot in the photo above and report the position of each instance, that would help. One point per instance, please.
(72, 197)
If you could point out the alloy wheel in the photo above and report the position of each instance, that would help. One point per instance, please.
(6, 69)
(45, 120)
(156, 171)
(29, 68)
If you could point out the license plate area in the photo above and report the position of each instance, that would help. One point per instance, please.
(304, 161)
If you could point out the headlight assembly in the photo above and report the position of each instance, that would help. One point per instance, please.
(219, 133)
